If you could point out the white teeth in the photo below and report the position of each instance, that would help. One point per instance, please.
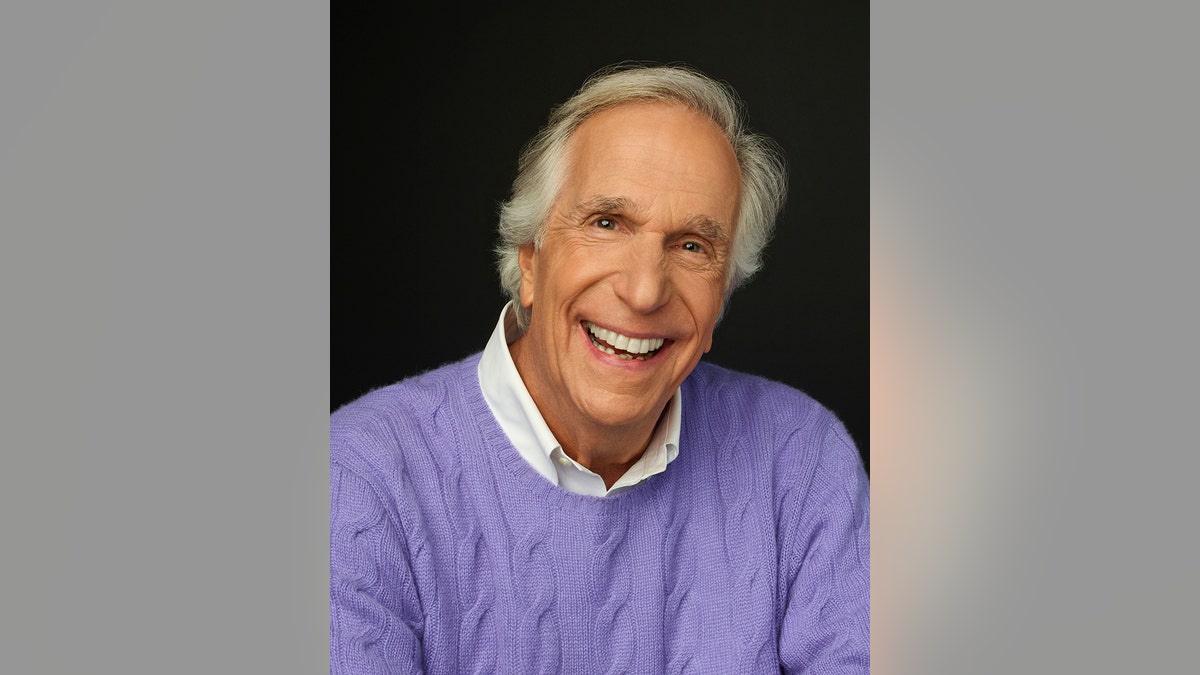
(624, 342)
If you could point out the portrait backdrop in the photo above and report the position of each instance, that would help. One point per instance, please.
(431, 107)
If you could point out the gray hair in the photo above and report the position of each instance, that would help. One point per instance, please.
(541, 170)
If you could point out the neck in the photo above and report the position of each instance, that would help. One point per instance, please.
(606, 449)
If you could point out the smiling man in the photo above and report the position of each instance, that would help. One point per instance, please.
(585, 495)
(628, 282)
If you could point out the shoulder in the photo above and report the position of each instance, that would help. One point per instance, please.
(774, 422)
(757, 404)
(371, 431)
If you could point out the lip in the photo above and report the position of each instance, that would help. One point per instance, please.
(632, 334)
(612, 359)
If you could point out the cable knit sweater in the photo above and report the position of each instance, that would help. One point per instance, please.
(450, 554)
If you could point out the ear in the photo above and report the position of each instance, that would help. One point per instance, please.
(527, 260)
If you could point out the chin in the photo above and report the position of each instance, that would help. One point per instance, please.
(617, 411)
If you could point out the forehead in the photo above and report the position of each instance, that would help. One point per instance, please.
(657, 155)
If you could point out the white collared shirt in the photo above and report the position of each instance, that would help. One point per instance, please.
(522, 422)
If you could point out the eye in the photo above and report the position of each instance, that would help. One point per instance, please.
(606, 224)
(693, 247)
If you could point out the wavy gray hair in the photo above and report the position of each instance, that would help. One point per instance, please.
(542, 166)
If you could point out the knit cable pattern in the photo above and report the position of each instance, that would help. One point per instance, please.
(449, 553)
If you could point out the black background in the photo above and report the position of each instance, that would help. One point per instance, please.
(431, 107)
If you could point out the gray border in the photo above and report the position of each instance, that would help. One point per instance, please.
(1034, 324)
(164, 183)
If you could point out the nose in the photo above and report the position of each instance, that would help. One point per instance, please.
(643, 283)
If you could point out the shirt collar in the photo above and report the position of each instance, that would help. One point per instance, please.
(506, 395)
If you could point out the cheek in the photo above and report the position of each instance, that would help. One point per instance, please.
(578, 271)
(704, 299)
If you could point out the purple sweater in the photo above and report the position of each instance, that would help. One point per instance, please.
(450, 554)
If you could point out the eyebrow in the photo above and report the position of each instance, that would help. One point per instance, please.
(705, 226)
(708, 228)
(606, 204)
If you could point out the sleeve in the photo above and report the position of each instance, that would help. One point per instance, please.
(375, 618)
(825, 584)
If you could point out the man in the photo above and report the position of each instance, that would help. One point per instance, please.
(584, 495)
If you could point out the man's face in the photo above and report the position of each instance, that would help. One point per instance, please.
(634, 261)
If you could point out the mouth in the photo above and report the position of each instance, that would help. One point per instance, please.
(623, 346)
